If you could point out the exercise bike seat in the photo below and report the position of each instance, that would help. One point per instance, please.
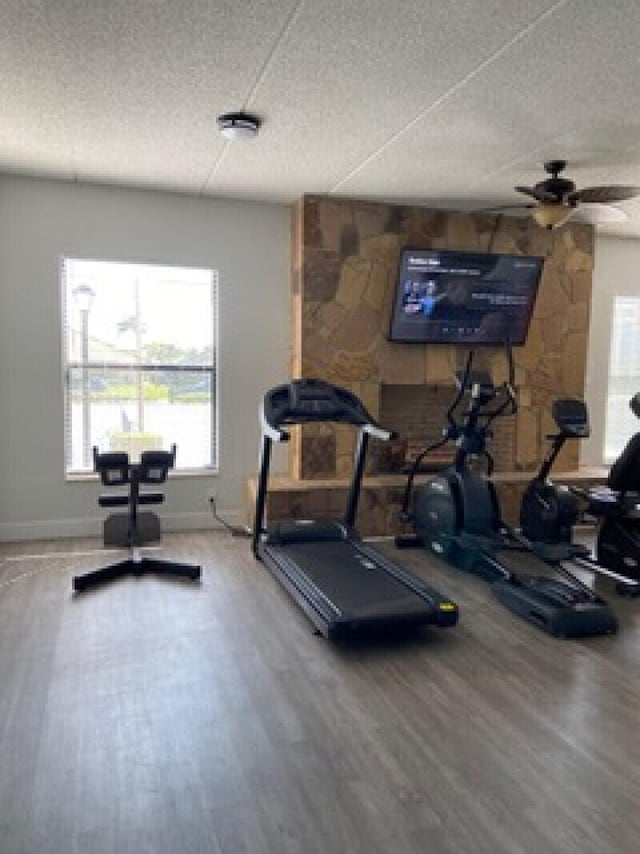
(604, 501)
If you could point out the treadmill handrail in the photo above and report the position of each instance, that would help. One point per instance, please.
(300, 402)
(270, 430)
(304, 401)
(379, 432)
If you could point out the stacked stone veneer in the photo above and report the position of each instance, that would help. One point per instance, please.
(345, 262)
(345, 257)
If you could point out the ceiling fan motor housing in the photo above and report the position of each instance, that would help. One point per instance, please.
(559, 188)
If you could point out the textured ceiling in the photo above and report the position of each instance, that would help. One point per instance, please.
(447, 103)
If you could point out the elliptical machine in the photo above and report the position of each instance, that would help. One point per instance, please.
(549, 511)
(456, 515)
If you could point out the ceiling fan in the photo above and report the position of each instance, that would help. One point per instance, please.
(557, 198)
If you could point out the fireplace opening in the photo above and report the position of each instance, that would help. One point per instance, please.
(418, 413)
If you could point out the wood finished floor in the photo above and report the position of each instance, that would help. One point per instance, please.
(163, 717)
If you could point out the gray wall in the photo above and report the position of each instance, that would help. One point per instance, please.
(42, 220)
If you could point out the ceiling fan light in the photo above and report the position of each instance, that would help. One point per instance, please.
(234, 126)
(551, 215)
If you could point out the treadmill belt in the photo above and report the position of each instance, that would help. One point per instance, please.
(352, 581)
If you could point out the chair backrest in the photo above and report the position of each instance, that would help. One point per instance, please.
(113, 468)
(624, 475)
(154, 466)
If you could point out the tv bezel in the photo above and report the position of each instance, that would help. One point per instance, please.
(461, 253)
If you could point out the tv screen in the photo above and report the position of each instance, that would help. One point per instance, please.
(449, 297)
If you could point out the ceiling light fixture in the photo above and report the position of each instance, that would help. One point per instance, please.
(238, 125)
(551, 215)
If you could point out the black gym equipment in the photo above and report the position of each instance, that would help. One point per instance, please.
(618, 541)
(115, 469)
(343, 586)
(456, 515)
(550, 511)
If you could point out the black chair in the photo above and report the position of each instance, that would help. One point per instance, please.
(624, 475)
(115, 469)
(621, 495)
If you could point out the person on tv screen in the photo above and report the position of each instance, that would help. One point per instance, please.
(411, 299)
(430, 298)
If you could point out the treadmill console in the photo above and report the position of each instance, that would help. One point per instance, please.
(302, 401)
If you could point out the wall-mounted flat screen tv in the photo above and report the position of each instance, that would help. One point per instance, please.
(450, 297)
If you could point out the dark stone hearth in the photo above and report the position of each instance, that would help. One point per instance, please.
(318, 456)
(389, 457)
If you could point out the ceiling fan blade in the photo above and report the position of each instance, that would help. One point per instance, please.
(604, 195)
(539, 195)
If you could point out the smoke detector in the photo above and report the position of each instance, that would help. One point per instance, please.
(238, 125)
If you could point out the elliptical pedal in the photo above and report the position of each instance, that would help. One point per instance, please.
(555, 608)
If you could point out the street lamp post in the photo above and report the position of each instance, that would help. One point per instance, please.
(83, 296)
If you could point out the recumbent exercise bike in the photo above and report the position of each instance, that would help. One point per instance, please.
(550, 511)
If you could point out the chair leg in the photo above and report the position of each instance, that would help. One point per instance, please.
(100, 576)
(167, 567)
(135, 567)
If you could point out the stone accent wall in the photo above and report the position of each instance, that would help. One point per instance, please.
(344, 264)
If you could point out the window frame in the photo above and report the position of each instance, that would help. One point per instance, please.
(615, 259)
(69, 364)
(632, 376)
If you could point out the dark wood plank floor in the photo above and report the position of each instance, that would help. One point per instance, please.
(162, 716)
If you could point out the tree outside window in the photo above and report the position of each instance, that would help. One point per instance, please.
(140, 361)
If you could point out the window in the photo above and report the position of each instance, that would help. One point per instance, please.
(139, 361)
(624, 375)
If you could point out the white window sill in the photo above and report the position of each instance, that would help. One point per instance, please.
(89, 476)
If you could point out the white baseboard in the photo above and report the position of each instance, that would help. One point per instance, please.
(59, 529)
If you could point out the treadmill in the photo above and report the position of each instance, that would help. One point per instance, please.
(342, 585)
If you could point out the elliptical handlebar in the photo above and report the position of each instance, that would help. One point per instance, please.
(510, 385)
(463, 383)
(483, 391)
